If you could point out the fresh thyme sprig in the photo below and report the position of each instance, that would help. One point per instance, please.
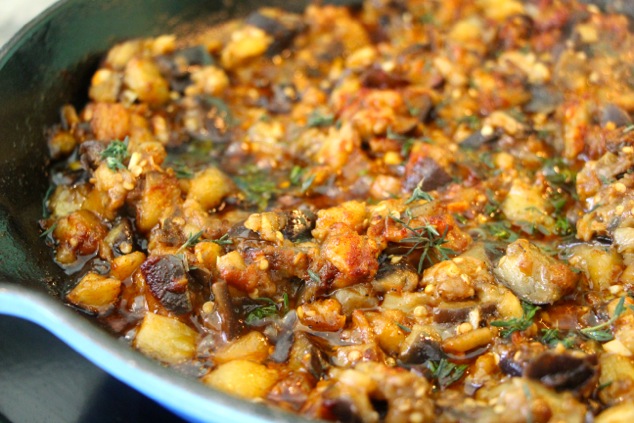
(314, 276)
(552, 337)
(445, 372)
(115, 154)
(517, 324)
(419, 194)
(271, 308)
(425, 238)
(194, 239)
(601, 332)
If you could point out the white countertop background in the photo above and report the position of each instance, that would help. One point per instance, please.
(15, 13)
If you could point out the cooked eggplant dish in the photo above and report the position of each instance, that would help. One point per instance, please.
(401, 211)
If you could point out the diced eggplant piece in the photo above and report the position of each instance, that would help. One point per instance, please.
(427, 170)
(300, 223)
(395, 277)
(611, 113)
(224, 307)
(176, 66)
(543, 100)
(120, 239)
(420, 347)
(454, 312)
(90, 154)
(521, 399)
(377, 77)
(356, 297)
(534, 276)
(565, 372)
(286, 338)
(168, 281)
(480, 138)
(283, 27)
(305, 356)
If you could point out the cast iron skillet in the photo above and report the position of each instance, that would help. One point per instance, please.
(48, 64)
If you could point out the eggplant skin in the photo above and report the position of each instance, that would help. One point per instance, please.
(168, 281)
(532, 275)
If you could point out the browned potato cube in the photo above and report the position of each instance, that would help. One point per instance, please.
(243, 378)
(252, 346)
(123, 266)
(166, 339)
(96, 293)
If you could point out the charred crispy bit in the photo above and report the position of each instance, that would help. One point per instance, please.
(169, 282)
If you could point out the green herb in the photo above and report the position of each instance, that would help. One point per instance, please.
(407, 147)
(445, 372)
(115, 154)
(295, 177)
(531, 227)
(544, 134)
(318, 120)
(428, 18)
(285, 302)
(425, 238)
(257, 188)
(460, 218)
(314, 276)
(562, 226)
(493, 207)
(472, 121)
(501, 230)
(308, 183)
(192, 240)
(601, 332)
(262, 311)
(419, 194)
(553, 337)
(182, 171)
(558, 173)
(47, 197)
(403, 327)
(487, 159)
(628, 129)
(517, 324)
(48, 231)
(558, 202)
(223, 240)
(604, 385)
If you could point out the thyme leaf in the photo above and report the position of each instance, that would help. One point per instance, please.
(516, 324)
(419, 194)
(115, 154)
(314, 276)
(427, 239)
(445, 372)
(48, 231)
(192, 240)
(318, 120)
(601, 332)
